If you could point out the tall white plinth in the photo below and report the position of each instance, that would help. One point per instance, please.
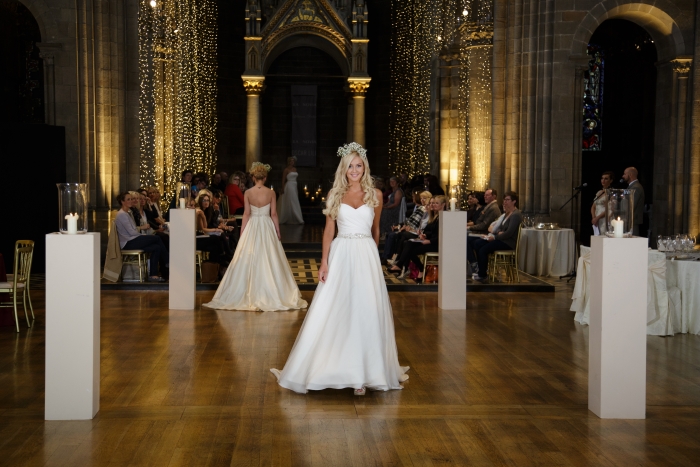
(183, 279)
(452, 272)
(72, 326)
(617, 339)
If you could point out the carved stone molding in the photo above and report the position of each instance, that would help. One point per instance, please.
(681, 66)
(358, 87)
(254, 86)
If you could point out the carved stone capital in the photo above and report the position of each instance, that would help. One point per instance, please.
(47, 51)
(681, 66)
(253, 85)
(358, 87)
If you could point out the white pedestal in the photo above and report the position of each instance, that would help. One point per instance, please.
(72, 326)
(183, 279)
(452, 272)
(617, 342)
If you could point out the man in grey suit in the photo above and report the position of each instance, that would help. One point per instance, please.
(490, 213)
(630, 176)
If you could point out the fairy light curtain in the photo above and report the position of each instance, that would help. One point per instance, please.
(177, 70)
(421, 29)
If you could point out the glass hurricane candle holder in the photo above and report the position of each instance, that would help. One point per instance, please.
(184, 194)
(72, 208)
(619, 212)
(456, 198)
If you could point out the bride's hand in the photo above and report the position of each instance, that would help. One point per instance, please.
(279, 236)
(323, 273)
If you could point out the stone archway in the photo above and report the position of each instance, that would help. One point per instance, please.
(674, 207)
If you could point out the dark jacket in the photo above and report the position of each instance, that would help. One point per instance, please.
(509, 228)
(432, 232)
(490, 213)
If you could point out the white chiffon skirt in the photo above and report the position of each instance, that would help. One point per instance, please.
(347, 338)
(259, 277)
(288, 207)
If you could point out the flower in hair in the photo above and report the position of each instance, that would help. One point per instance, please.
(350, 148)
(268, 167)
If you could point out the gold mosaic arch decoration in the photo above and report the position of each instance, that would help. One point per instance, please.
(306, 17)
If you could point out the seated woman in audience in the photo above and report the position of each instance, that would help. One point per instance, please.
(217, 219)
(414, 225)
(130, 238)
(502, 237)
(235, 193)
(138, 212)
(426, 242)
(152, 208)
(215, 244)
(475, 206)
(392, 211)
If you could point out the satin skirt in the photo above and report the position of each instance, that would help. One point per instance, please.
(259, 277)
(347, 338)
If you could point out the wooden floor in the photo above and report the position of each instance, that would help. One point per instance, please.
(503, 384)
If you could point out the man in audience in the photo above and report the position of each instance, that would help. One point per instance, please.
(489, 214)
(630, 176)
(223, 182)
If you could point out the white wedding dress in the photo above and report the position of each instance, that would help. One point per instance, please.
(259, 277)
(288, 207)
(347, 338)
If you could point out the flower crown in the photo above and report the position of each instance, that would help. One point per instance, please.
(352, 147)
(268, 167)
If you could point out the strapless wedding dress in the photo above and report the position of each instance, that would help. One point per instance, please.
(347, 338)
(288, 207)
(259, 277)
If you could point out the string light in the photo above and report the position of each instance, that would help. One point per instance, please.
(177, 68)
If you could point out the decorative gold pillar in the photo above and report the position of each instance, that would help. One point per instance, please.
(358, 87)
(254, 86)
(679, 161)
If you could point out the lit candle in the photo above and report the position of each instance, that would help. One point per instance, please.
(312, 198)
(72, 224)
(453, 204)
(306, 187)
(183, 203)
(323, 198)
(272, 188)
(618, 228)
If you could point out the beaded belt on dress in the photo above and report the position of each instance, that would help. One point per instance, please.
(354, 235)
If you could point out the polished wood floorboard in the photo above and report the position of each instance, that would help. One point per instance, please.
(503, 384)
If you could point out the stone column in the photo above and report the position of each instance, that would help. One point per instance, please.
(358, 87)
(678, 176)
(351, 116)
(47, 52)
(254, 86)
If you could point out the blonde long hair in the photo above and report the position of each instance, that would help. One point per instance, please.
(433, 215)
(340, 186)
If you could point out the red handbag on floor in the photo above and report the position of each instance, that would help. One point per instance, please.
(413, 271)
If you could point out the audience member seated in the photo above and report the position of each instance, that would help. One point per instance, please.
(155, 215)
(426, 242)
(503, 237)
(217, 219)
(217, 246)
(394, 210)
(234, 193)
(489, 213)
(130, 238)
(138, 213)
(415, 223)
(475, 206)
(200, 182)
(433, 185)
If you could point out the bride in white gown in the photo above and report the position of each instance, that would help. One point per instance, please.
(347, 338)
(288, 207)
(259, 277)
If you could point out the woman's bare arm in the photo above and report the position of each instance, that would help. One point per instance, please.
(377, 217)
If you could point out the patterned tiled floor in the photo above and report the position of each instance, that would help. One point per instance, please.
(306, 272)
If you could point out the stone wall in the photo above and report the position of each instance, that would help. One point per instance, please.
(539, 59)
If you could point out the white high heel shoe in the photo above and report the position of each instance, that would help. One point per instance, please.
(361, 391)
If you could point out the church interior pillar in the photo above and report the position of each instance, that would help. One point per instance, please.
(253, 149)
(358, 87)
(678, 176)
(47, 52)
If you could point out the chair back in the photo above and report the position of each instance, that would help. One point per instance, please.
(24, 252)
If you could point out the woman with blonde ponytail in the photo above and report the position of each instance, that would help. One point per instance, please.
(347, 338)
(259, 277)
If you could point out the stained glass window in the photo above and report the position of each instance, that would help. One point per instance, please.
(593, 100)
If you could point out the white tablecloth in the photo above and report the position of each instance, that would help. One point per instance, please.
(546, 252)
(664, 304)
(685, 275)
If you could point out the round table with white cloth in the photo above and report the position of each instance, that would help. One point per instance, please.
(546, 252)
(684, 275)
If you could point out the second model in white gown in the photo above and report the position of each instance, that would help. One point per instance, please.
(288, 207)
(347, 338)
(259, 277)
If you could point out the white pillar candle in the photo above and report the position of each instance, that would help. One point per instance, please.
(72, 224)
(618, 228)
(453, 204)
(183, 203)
